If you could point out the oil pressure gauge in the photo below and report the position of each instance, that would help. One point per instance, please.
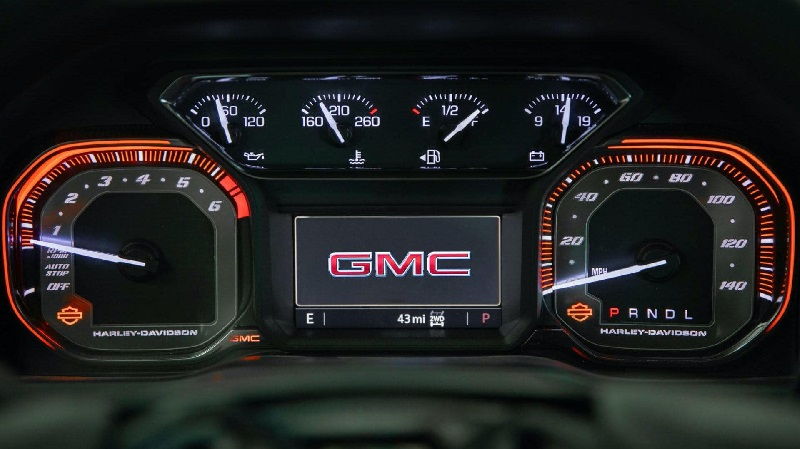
(227, 113)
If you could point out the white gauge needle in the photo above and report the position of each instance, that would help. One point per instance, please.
(331, 121)
(565, 121)
(605, 276)
(462, 125)
(89, 253)
(223, 120)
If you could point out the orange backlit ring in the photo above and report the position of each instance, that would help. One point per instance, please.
(57, 159)
(757, 167)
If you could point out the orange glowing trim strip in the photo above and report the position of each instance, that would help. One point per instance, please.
(63, 153)
(756, 166)
(737, 153)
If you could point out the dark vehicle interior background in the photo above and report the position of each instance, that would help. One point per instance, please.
(386, 224)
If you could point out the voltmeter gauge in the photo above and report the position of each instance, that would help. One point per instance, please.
(563, 118)
(340, 119)
(564, 114)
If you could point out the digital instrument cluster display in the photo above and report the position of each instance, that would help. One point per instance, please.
(420, 123)
(397, 272)
(641, 249)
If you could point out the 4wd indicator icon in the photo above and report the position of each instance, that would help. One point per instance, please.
(579, 312)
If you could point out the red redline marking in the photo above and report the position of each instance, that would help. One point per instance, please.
(373, 111)
(416, 111)
(242, 206)
(227, 183)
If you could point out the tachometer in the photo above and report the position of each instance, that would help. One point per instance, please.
(124, 245)
(667, 246)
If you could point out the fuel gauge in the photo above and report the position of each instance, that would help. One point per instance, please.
(449, 117)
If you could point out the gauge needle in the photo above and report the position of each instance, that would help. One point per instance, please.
(223, 120)
(463, 124)
(331, 121)
(565, 121)
(605, 276)
(89, 253)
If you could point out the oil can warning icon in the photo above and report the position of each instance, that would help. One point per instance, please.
(579, 312)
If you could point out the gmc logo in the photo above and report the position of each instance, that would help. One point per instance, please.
(364, 264)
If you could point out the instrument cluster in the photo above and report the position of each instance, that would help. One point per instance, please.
(371, 212)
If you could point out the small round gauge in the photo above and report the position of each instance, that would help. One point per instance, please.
(232, 121)
(560, 119)
(448, 118)
(125, 247)
(664, 250)
(340, 118)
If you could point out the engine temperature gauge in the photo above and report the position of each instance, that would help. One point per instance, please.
(340, 117)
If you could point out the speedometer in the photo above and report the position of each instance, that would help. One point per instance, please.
(667, 246)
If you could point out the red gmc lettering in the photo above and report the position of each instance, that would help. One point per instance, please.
(436, 256)
(413, 261)
(360, 264)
